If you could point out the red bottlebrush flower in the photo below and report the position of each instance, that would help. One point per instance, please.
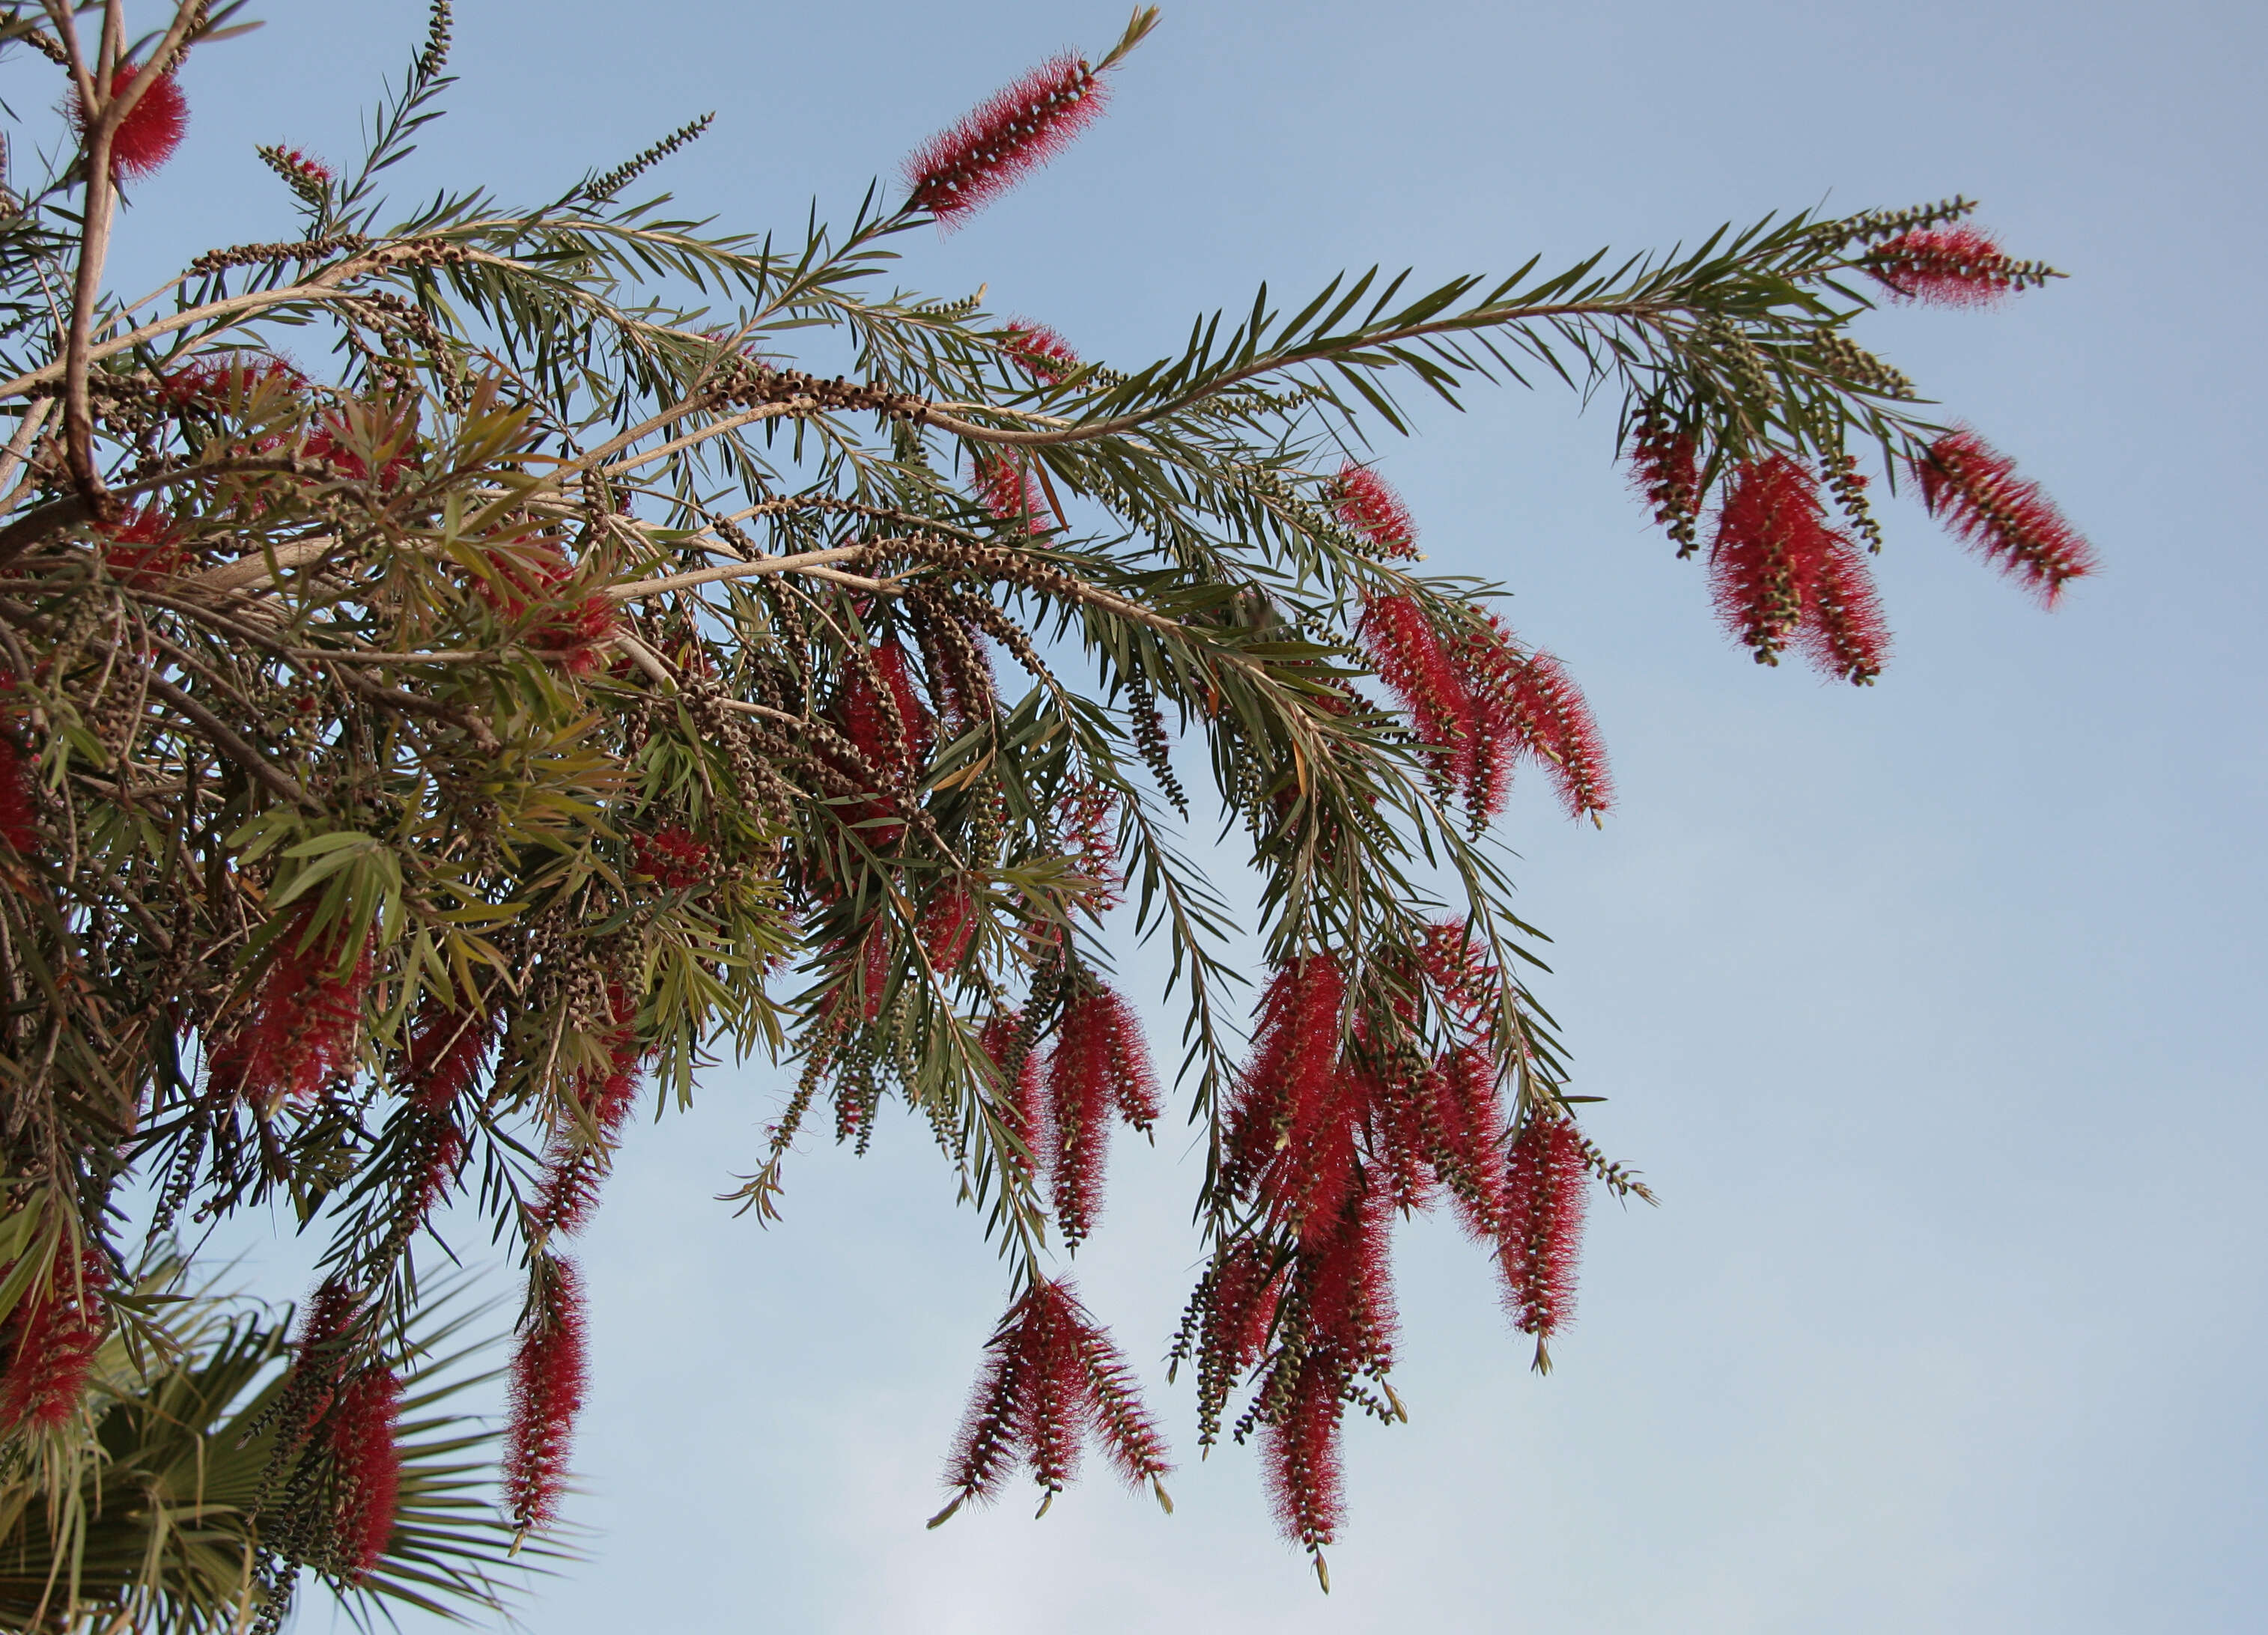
(365, 1468)
(147, 136)
(1975, 490)
(1545, 1188)
(1290, 1093)
(948, 926)
(145, 549)
(439, 1144)
(1844, 632)
(528, 587)
(1366, 503)
(1085, 840)
(50, 1341)
(1009, 493)
(550, 1378)
(1052, 1378)
(1411, 657)
(1022, 1100)
(1347, 1281)
(1781, 573)
(1040, 352)
(671, 857)
(300, 1032)
(1665, 468)
(319, 1357)
(219, 380)
(1469, 1116)
(1299, 1460)
(1099, 1064)
(581, 1149)
(19, 811)
(445, 1049)
(1947, 267)
(1526, 703)
(958, 172)
(294, 166)
(887, 722)
(1471, 986)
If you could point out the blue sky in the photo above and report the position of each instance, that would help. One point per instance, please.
(1925, 1006)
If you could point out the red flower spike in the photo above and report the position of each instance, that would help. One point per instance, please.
(671, 857)
(1411, 657)
(367, 1467)
(1299, 1460)
(440, 1145)
(1040, 352)
(1525, 705)
(1009, 493)
(1293, 1077)
(147, 136)
(1023, 1104)
(1781, 573)
(889, 726)
(299, 1034)
(1975, 490)
(1099, 1063)
(948, 926)
(145, 549)
(1546, 1186)
(1665, 468)
(447, 1047)
(19, 810)
(1347, 1276)
(1845, 633)
(217, 381)
(1470, 1115)
(528, 585)
(1471, 986)
(1366, 503)
(50, 1343)
(550, 1378)
(1053, 1376)
(958, 172)
(1086, 840)
(1945, 267)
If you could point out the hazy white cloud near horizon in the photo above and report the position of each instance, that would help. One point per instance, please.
(1931, 1008)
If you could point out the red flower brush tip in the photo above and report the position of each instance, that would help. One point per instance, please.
(50, 1341)
(671, 857)
(550, 1376)
(1974, 490)
(1945, 267)
(145, 547)
(366, 1466)
(152, 129)
(1052, 1378)
(1366, 503)
(959, 170)
(1040, 352)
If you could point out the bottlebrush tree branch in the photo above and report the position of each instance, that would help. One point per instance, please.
(413, 770)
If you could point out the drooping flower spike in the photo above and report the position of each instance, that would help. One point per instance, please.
(1545, 1190)
(1974, 490)
(1052, 1379)
(1665, 468)
(1781, 573)
(550, 1376)
(19, 811)
(48, 1344)
(300, 1032)
(1100, 1066)
(365, 1468)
